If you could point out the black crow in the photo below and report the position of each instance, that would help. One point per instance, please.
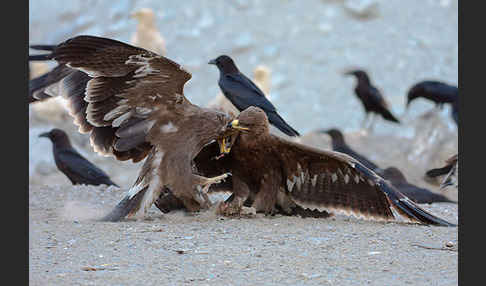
(339, 145)
(72, 164)
(371, 97)
(242, 93)
(435, 91)
(415, 193)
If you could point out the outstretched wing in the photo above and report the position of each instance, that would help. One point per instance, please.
(119, 92)
(335, 182)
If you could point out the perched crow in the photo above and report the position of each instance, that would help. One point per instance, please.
(371, 97)
(72, 164)
(242, 92)
(415, 193)
(339, 145)
(435, 91)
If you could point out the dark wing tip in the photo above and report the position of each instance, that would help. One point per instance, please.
(408, 208)
(403, 204)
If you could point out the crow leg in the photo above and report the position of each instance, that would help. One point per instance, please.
(372, 122)
(365, 120)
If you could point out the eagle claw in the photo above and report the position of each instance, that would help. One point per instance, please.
(214, 180)
(235, 208)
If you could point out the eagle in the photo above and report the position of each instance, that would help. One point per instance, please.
(131, 101)
(272, 174)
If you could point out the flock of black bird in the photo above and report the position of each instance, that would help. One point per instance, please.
(242, 93)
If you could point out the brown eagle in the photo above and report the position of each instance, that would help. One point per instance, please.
(270, 173)
(132, 103)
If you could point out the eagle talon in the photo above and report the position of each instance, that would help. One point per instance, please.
(214, 180)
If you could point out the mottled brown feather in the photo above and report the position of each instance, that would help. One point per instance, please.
(314, 179)
(134, 104)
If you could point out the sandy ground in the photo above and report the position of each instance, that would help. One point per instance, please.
(399, 42)
(67, 247)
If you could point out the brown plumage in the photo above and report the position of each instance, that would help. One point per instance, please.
(270, 172)
(44, 86)
(132, 103)
(78, 169)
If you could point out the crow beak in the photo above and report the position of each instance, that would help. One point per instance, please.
(348, 73)
(45, 134)
(235, 124)
(212, 62)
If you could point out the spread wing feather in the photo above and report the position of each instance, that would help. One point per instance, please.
(114, 89)
(335, 182)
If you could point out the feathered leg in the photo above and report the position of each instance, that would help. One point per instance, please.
(234, 204)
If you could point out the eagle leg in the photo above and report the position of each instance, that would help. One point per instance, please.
(266, 198)
(207, 182)
(199, 198)
(234, 206)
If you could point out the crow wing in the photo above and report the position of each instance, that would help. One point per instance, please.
(243, 92)
(80, 170)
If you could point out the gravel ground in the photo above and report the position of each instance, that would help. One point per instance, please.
(306, 47)
(67, 247)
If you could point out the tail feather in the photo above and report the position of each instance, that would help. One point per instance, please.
(389, 116)
(125, 207)
(278, 122)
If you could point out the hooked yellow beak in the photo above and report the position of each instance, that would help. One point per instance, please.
(236, 125)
